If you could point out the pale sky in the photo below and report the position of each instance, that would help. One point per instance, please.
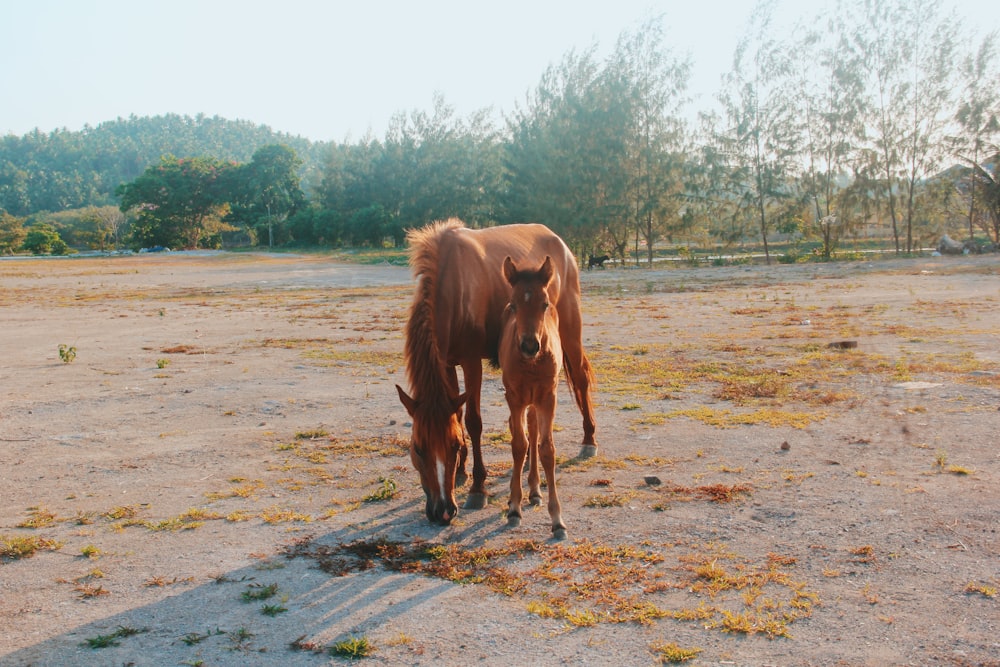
(330, 69)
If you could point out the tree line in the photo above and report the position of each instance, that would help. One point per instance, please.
(876, 117)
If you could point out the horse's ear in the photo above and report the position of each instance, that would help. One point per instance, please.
(408, 403)
(459, 401)
(509, 270)
(545, 273)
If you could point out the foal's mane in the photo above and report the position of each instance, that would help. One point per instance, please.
(424, 365)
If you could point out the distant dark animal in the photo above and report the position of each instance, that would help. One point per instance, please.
(455, 321)
(530, 362)
(597, 261)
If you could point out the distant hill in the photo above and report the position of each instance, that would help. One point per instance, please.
(62, 170)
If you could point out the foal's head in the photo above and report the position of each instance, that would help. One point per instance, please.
(434, 450)
(531, 306)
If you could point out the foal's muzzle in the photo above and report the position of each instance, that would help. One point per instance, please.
(529, 346)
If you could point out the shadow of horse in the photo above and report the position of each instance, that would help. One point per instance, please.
(212, 623)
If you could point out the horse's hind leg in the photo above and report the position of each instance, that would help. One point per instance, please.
(518, 448)
(580, 376)
(534, 481)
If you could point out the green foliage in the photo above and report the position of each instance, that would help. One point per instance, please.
(353, 648)
(44, 240)
(67, 353)
(179, 203)
(12, 233)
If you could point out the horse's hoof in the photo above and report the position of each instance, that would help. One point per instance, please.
(559, 534)
(587, 451)
(475, 501)
(535, 501)
(513, 521)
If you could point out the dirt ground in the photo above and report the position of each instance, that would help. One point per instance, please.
(219, 475)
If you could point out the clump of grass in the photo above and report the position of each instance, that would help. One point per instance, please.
(385, 492)
(38, 517)
(193, 638)
(90, 551)
(17, 547)
(314, 434)
(609, 500)
(104, 641)
(353, 648)
(273, 610)
(257, 592)
(983, 589)
(669, 652)
(67, 353)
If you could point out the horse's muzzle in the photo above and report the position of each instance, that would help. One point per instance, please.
(530, 346)
(440, 511)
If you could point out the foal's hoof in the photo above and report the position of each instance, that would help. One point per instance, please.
(559, 534)
(475, 501)
(535, 501)
(513, 521)
(461, 478)
(587, 451)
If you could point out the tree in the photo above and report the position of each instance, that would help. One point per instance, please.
(103, 226)
(12, 233)
(831, 77)
(761, 139)
(909, 49)
(978, 115)
(267, 190)
(43, 239)
(178, 203)
(652, 82)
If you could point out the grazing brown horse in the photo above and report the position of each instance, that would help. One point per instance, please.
(455, 321)
(531, 360)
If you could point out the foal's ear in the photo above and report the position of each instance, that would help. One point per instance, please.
(509, 270)
(545, 273)
(407, 402)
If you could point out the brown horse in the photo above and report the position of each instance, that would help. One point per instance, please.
(531, 360)
(455, 320)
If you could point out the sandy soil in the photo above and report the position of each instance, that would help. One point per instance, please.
(228, 428)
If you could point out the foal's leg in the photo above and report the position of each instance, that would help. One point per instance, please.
(547, 453)
(580, 375)
(534, 482)
(473, 371)
(518, 448)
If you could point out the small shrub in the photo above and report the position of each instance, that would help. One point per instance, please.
(353, 648)
(67, 353)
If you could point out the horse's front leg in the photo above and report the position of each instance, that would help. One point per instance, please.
(534, 480)
(460, 475)
(547, 454)
(518, 448)
(473, 372)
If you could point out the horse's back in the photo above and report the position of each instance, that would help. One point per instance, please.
(472, 291)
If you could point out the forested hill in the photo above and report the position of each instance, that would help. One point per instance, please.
(65, 169)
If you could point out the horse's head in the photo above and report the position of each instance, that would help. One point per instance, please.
(434, 449)
(531, 306)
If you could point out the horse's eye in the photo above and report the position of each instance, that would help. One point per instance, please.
(512, 307)
(545, 306)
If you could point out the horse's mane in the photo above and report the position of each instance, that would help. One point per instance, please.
(424, 365)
